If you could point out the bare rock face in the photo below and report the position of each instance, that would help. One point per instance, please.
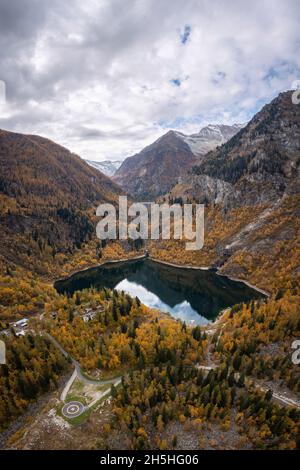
(257, 168)
(202, 188)
(262, 160)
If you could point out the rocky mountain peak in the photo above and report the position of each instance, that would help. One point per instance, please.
(259, 164)
(154, 170)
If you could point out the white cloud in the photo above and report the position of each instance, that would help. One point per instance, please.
(97, 77)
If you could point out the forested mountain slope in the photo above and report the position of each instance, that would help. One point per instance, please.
(48, 197)
(251, 189)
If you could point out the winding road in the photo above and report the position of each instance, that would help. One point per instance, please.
(77, 366)
(74, 409)
(280, 397)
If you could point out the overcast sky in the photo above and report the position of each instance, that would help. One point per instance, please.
(107, 77)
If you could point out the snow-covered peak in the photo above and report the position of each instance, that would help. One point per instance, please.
(107, 167)
(209, 137)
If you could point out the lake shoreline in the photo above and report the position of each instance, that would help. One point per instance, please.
(216, 270)
(96, 266)
(167, 263)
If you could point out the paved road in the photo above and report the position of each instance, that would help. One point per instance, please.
(78, 374)
(277, 396)
(281, 397)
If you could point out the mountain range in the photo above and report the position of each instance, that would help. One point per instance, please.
(251, 189)
(48, 195)
(153, 171)
(210, 137)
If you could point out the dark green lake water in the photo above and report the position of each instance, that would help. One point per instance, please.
(193, 295)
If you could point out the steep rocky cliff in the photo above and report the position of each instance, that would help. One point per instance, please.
(258, 165)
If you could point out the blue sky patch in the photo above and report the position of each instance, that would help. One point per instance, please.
(176, 81)
(186, 33)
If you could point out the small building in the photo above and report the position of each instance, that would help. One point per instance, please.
(20, 333)
(88, 316)
(21, 323)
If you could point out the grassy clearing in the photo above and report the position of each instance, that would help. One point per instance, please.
(77, 386)
(74, 421)
(83, 399)
(85, 415)
(75, 397)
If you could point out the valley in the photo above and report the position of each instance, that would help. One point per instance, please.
(193, 296)
(144, 378)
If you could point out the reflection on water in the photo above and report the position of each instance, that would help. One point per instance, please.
(194, 296)
(182, 310)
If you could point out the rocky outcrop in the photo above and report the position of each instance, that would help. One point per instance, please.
(262, 160)
(202, 188)
(258, 165)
